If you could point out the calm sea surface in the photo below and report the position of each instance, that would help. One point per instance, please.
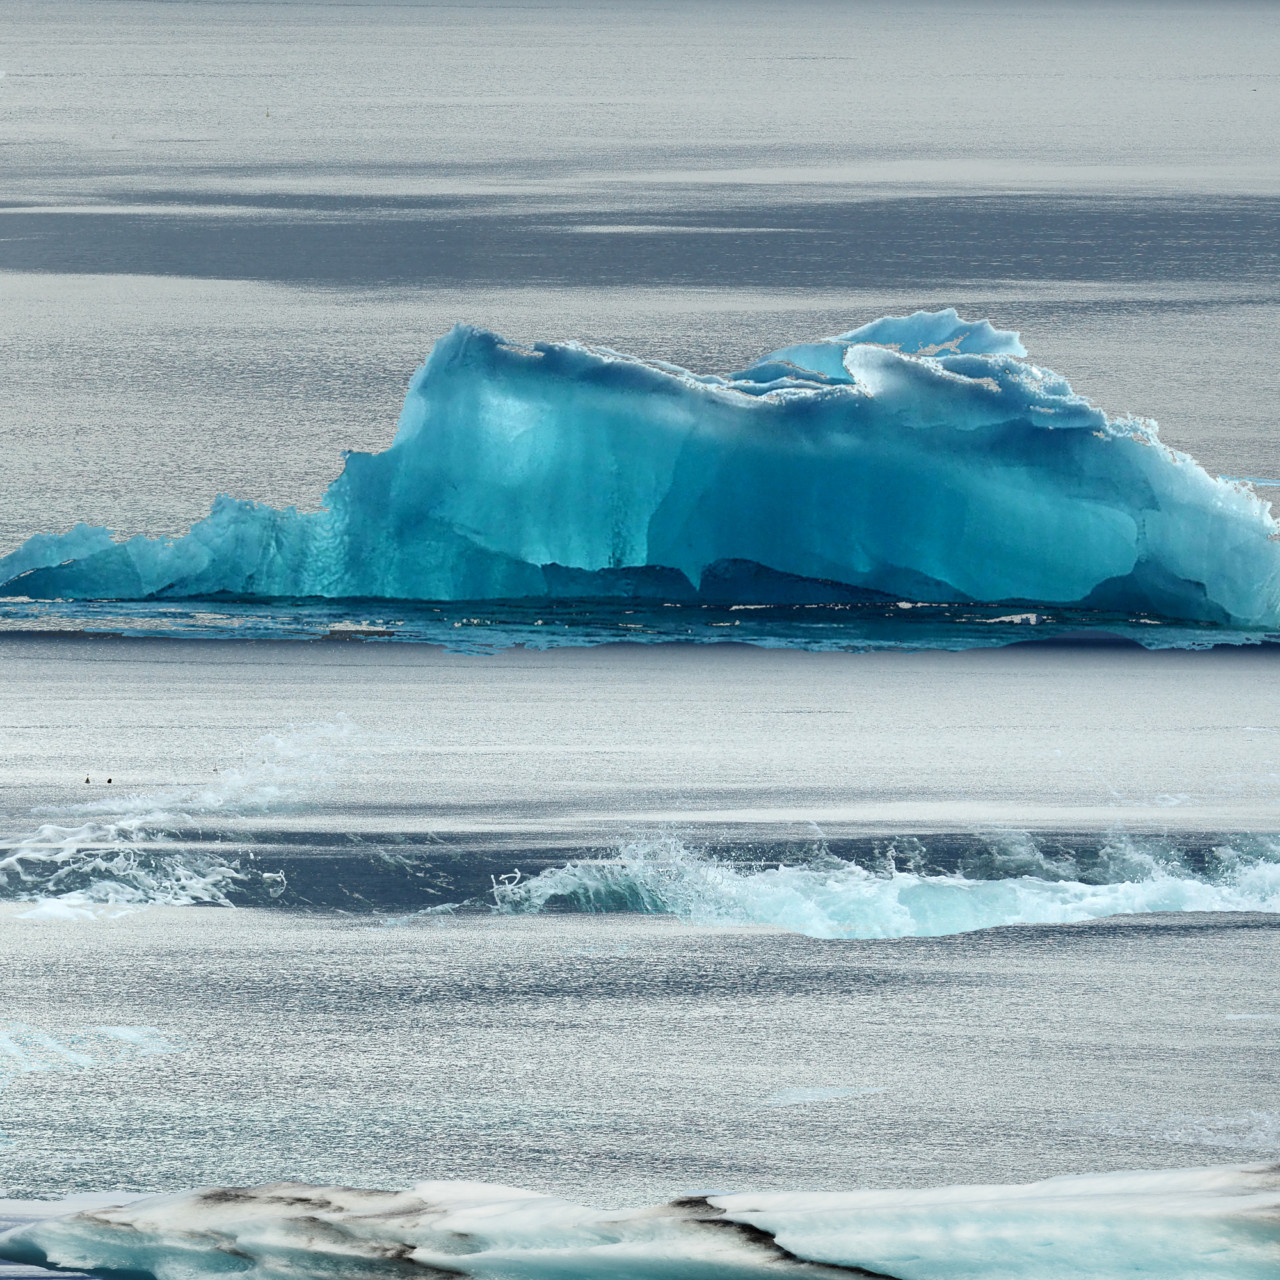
(230, 232)
(627, 1059)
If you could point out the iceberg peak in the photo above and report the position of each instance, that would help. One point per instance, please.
(936, 333)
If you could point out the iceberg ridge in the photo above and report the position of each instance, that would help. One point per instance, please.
(916, 459)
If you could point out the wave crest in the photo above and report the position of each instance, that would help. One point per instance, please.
(828, 897)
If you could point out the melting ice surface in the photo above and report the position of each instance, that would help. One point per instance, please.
(1197, 1224)
(913, 459)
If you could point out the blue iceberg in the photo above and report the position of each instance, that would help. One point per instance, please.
(913, 459)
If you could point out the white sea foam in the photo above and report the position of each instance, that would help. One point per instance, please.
(279, 768)
(832, 898)
(126, 851)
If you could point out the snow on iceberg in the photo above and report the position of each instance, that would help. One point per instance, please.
(917, 458)
(1192, 1224)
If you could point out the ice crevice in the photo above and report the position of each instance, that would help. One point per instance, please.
(1182, 1224)
(918, 458)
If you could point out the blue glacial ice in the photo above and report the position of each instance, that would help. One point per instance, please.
(915, 459)
(1187, 1224)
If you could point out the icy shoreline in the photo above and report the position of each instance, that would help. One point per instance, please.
(1194, 1223)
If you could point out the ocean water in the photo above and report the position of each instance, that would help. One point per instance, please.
(622, 922)
(231, 234)
(627, 1060)
(579, 748)
(616, 923)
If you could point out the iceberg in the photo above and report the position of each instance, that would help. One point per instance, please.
(918, 458)
(1190, 1224)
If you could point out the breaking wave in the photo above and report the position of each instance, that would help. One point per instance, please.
(198, 845)
(1010, 883)
(135, 849)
